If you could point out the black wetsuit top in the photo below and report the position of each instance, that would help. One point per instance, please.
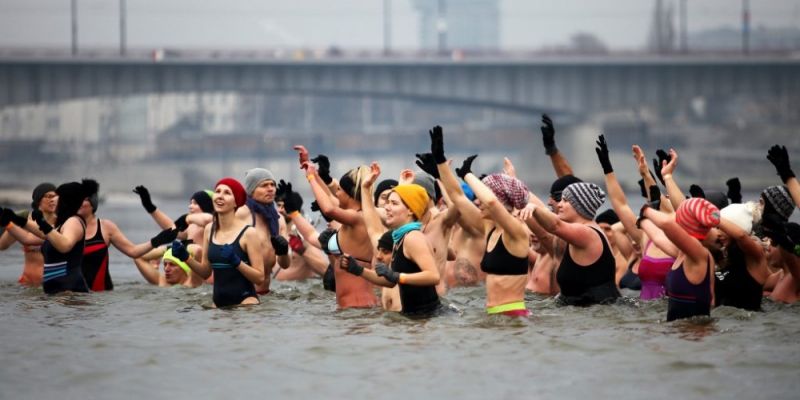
(630, 280)
(587, 285)
(95, 262)
(734, 286)
(62, 271)
(500, 262)
(416, 300)
(230, 286)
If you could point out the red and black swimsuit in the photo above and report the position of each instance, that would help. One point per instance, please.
(95, 262)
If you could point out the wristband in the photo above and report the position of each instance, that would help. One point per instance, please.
(294, 214)
(310, 177)
(665, 176)
(402, 279)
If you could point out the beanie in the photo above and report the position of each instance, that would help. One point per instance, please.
(585, 197)
(239, 194)
(697, 216)
(255, 176)
(415, 198)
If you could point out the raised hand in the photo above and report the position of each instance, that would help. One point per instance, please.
(374, 173)
(668, 163)
(324, 168)
(641, 162)
(734, 190)
(38, 217)
(779, 157)
(164, 237)
(350, 265)
(292, 201)
(602, 154)
(302, 154)
(658, 164)
(180, 224)
(466, 166)
(426, 162)
(280, 245)
(179, 250)
(508, 168)
(548, 135)
(144, 196)
(228, 254)
(9, 216)
(387, 273)
(697, 191)
(437, 144)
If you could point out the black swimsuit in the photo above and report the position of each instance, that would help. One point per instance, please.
(95, 262)
(500, 262)
(734, 286)
(416, 300)
(230, 286)
(591, 284)
(62, 271)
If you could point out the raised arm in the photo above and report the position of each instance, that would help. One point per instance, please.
(560, 164)
(121, 242)
(372, 219)
(676, 196)
(511, 225)
(615, 193)
(162, 219)
(690, 246)
(576, 234)
(326, 205)
(779, 157)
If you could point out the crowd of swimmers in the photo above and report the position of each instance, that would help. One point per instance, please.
(402, 243)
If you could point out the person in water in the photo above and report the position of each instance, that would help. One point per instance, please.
(44, 198)
(176, 272)
(231, 249)
(413, 266)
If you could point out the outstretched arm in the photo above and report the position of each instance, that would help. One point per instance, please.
(372, 219)
(667, 168)
(560, 164)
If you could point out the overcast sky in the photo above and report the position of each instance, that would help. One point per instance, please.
(528, 24)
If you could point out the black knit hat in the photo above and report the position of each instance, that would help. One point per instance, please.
(70, 198)
(383, 186)
(779, 199)
(560, 184)
(39, 192)
(607, 216)
(386, 242)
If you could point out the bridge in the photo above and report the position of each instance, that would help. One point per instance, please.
(533, 84)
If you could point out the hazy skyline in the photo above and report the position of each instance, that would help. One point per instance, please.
(354, 24)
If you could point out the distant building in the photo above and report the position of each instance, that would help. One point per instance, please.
(462, 24)
(761, 39)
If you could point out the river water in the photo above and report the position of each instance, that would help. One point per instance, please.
(144, 341)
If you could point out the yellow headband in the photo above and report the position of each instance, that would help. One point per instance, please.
(415, 197)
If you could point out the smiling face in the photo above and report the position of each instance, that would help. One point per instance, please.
(397, 214)
(566, 212)
(49, 202)
(265, 191)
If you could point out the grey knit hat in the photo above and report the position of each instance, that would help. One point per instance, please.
(255, 176)
(585, 197)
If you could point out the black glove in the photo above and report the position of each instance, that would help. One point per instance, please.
(697, 191)
(351, 266)
(602, 154)
(280, 245)
(387, 273)
(180, 224)
(229, 254)
(144, 196)
(548, 135)
(179, 250)
(793, 232)
(314, 206)
(654, 200)
(426, 163)
(323, 168)
(734, 190)
(164, 237)
(292, 201)
(8, 215)
(466, 166)
(642, 189)
(779, 157)
(37, 216)
(662, 155)
(437, 144)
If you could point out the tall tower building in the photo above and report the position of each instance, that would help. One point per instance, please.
(458, 24)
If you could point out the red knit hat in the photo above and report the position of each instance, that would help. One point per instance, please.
(697, 216)
(239, 195)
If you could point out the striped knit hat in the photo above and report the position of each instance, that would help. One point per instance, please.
(780, 200)
(697, 216)
(509, 190)
(584, 197)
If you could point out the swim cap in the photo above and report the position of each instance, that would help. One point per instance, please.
(697, 216)
(255, 176)
(169, 257)
(238, 191)
(39, 191)
(509, 190)
(585, 197)
(414, 197)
